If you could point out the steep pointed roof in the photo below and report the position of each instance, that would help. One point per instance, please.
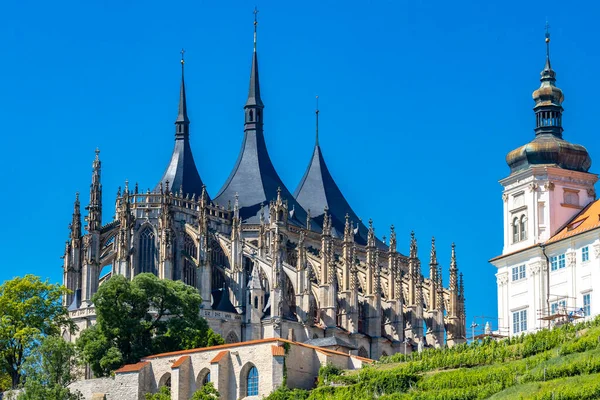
(253, 177)
(317, 190)
(181, 173)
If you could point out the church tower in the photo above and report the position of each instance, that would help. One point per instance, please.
(549, 181)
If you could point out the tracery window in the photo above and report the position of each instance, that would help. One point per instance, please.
(147, 251)
(190, 252)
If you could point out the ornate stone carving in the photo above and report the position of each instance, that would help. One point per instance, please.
(533, 187)
(571, 257)
(597, 250)
(505, 197)
(502, 279)
(534, 268)
(591, 192)
(549, 185)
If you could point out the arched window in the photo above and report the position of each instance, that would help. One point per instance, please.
(523, 227)
(255, 301)
(165, 380)
(147, 251)
(251, 115)
(203, 378)
(231, 338)
(362, 352)
(515, 230)
(190, 252)
(252, 382)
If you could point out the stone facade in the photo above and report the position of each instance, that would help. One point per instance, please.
(227, 366)
(265, 266)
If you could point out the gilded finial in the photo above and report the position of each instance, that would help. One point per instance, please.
(547, 40)
(182, 58)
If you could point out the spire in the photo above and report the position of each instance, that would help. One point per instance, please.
(413, 245)
(548, 98)
(76, 222)
(182, 122)
(371, 235)
(392, 247)
(94, 218)
(433, 257)
(181, 172)
(254, 100)
(317, 120)
(348, 234)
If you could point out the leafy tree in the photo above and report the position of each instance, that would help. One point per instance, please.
(163, 394)
(140, 317)
(29, 310)
(206, 392)
(48, 371)
(5, 381)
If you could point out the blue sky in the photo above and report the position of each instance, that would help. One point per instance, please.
(420, 102)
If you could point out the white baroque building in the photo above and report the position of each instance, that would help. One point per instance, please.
(550, 261)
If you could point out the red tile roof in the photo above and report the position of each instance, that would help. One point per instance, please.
(250, 343)
(278, 351)
(586, 220)
(132, 367)
(180, 361)
(219, 356)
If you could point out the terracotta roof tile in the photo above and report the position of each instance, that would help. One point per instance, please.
(278, 351)
(132, 367)
(180, 361)
(250, 343)
(586, 220)
(219, 356)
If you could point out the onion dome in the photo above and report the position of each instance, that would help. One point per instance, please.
(548, 146)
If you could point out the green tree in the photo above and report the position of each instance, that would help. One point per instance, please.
(48, 371)
(163, 394)
(140, 317)
(29, 310)
(206, 392)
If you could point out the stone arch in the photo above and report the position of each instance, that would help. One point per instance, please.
(165, 380)
(202, 378)
(232, 337)
(247, 380)
(362, 352)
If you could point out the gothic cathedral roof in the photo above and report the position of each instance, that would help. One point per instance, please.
(181, 173)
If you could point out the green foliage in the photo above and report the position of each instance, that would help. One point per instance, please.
(283, 393)
(164, 393)
(551, 364)
(48, 371)
(206, 392)
(141, 317)
(30, 309)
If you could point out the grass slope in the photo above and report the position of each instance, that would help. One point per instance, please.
(562, 363)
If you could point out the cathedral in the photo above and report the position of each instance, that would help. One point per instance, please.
(267, 262)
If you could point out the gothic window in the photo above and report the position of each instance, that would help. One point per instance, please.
(361, 317)
(218, 279)
(147, 251)
(289, 299)
(251, 115)
(190, 252)
(232, 338)
(255, 301)
(218, 257)
(362, 352)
